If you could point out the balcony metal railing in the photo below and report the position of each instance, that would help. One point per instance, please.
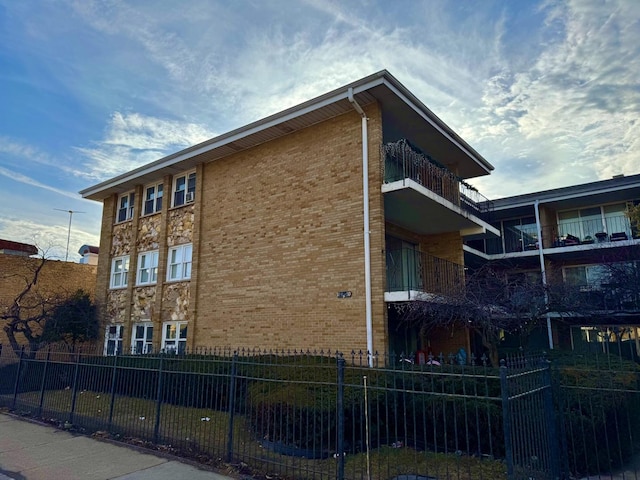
(588, 231)
(400, 160)
(412, 270)
(563, 234)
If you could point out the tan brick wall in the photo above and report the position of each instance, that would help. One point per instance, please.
(277, 232)
(281, 234)
(56, 278)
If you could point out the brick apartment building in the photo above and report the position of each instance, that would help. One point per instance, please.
(17, 264)
(297, 231)
(582, 238)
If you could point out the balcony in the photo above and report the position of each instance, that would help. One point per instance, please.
(411, 273)
(425, 197)
(577, 235)
(588, 231)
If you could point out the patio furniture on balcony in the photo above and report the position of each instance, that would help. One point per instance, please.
(601, 237)
(615, 237)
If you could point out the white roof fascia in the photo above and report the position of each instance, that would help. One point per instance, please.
(567, 196)
(242, 132)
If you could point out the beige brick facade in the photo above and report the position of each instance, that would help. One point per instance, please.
(276, 228)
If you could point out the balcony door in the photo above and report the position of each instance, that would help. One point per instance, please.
(404, 266)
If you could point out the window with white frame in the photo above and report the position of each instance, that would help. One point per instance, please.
(174, 337)
(147, 268)
(184, 189)
(113, 340)
(119, 272)
(153, 199)
(125, 207)
(141, 338)
(180, 262)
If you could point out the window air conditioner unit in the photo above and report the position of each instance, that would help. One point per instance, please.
(189, 197)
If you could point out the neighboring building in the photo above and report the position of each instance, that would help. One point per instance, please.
(89, 254)
(8, 247)
(580, 237)
(56, 277)
(268, 237)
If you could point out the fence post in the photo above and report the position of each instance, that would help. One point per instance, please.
(17, 382)
(340, 419)
(506, 419)
(232, 406)
(554, 448)
(44, 379)
(113, 391)
(74, 392)
(156, 427)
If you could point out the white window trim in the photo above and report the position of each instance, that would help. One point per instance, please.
(123, 275)
(151, 267)
(174, 191)
(147, 344)
(178, 341)
(130, 197)
(114, 337)
(183, 266)
(155, 209)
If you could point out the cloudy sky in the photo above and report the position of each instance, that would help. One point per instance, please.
(547, 91)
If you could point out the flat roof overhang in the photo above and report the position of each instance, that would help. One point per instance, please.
(399, 106)
(409, 205)
(613, 190)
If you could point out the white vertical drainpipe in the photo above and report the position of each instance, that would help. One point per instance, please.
(543, 272)
(367, 233)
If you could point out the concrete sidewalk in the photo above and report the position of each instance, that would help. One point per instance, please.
(31, 451)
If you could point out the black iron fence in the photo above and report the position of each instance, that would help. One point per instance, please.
(327, 415)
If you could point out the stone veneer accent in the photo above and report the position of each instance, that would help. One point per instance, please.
(149, 233)
(143, 301)
(180, 227)
(175, 302)
(116, 305)
(122, 239)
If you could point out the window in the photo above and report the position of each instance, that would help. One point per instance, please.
(119, 272)
(147, 268)
(153, 199)
(125, 207)
(616, 219)
(586, 276)
(520, 234)
(113, 340)
(174, 337)
(180, 262)
(141, 338)
(184, 189)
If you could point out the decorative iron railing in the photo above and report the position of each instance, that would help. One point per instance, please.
(401, 160)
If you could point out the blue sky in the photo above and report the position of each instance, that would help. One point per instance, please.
(547, 91)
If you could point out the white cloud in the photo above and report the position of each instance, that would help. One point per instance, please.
(133, 139)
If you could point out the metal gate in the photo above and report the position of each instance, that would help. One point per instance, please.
(529, 419)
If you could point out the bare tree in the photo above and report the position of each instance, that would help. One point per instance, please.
(494, 301)
(27, 314)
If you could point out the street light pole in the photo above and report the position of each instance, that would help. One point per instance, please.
(71, 212)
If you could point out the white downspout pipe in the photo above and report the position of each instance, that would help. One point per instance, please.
(544, 273)
(367, 232)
